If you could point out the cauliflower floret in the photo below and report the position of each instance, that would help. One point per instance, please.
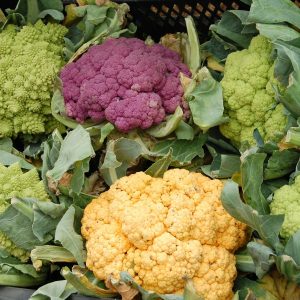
(125, 81)
(249, 98)
(29, 62)
(15, 183)
(286, 201)
(215, 274)
(156, 228)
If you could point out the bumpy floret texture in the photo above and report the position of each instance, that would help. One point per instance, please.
(162, 230)
(124, 81)
(15, 183)
(286, 201)
(249, 99)
(29, 63)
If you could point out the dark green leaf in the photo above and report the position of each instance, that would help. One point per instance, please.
(184, 151)
(252, 178)
(231, 27)
(281, 163)
(158, 168)
(223, 166)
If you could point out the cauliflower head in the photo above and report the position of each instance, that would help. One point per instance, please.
(124, 81)
(286, 201)
(249, 98)
(15, 183)
(29, 63)
(162, 230)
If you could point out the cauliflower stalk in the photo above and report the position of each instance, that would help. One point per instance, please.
(249, 98)
(15, 183)
(126, 82)
(29, 62)
(286, 201)
(162, 230)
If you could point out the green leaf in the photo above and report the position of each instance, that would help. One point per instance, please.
(184, 131)
(34, 9)
(57, 290)
(120, 154)
(16, 224)
(280, 164)
(66, 235)
(287, 266)
(50, 253)
(59, 112)
(206, 101)
(95, 23)
(222, 166)
(75, 147)
(158, 168)
(14, 273)
(8, 159)
(80, 280)
(277, 32)
(261, 256)
(56, 15)
(292, 247)
(232, 27)
(6, 144)
(166, 128)
(252, 178)
(276, 11)
(77, 180)
(184, 151)
(245, 263)
(288, 64)
(257, 291)
(194, 55)
(146, 295)
(267, 226)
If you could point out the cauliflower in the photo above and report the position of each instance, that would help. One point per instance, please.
(162, 230)
(125, 81)
(249, 97)
(286, 201)
(29, 62)
(15, 183)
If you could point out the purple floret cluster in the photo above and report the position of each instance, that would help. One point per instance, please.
(126, 82)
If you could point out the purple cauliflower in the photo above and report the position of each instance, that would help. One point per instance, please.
(126, 82)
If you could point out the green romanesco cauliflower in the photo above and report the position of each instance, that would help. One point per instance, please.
(286, 201)
(249, 97)
(29, 62)
(15, 183)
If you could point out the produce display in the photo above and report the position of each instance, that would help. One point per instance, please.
(138, 168)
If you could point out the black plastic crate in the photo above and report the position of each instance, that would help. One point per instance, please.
(158, 17)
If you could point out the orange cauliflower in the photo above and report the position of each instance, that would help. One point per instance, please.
(163, 230)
